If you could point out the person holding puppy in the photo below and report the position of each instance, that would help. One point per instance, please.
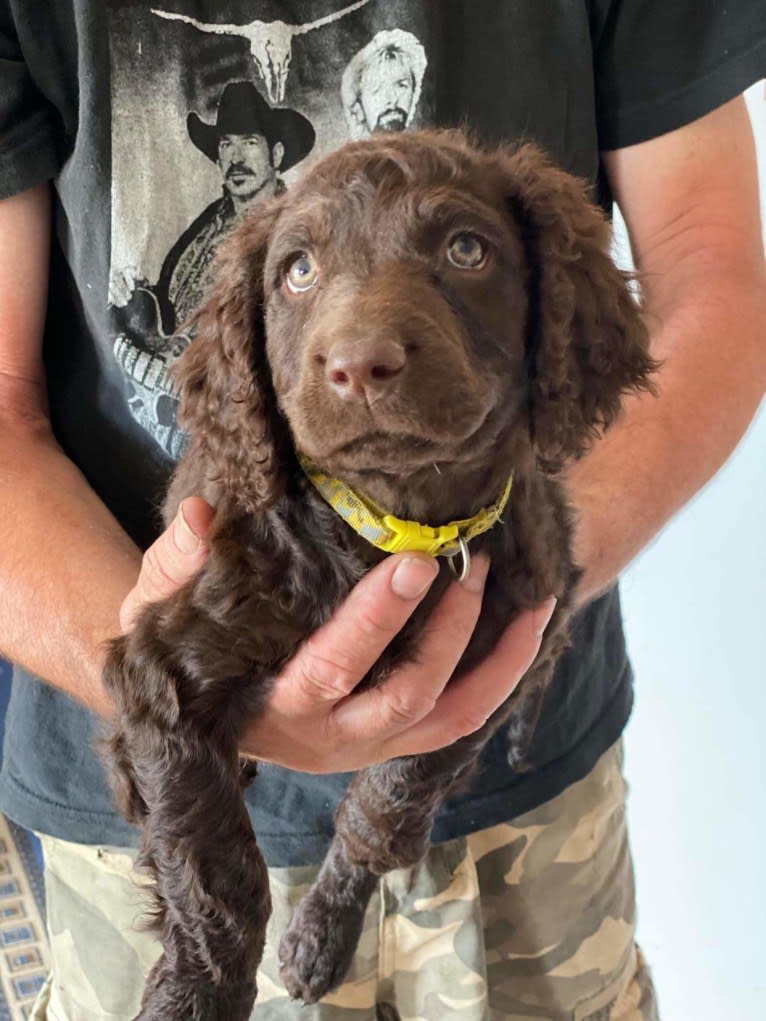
(623, 94)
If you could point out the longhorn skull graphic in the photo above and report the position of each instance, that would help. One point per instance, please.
(270, 43)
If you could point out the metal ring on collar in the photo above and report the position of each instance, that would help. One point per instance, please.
(464, 552)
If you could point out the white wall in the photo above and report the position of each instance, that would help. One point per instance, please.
(695, 610)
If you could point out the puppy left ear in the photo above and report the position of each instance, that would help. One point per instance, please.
(587, 343)
(228, 407)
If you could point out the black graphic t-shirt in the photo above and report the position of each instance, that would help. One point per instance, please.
(160, 125)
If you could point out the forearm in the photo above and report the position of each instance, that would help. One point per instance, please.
(690, 201)
(665, 448)
(65, 564)
(61, 602)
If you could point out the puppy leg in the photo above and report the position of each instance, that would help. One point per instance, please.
(211, 891)
(383, 823)
(319, 943)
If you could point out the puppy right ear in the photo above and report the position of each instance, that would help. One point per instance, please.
(587, 343)
(228, 407)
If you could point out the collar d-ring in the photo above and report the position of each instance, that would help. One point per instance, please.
(464, 553)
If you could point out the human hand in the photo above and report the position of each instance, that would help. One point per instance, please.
(172, 559)
(314, 721)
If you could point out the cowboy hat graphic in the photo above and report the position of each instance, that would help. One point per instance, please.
(242, 110)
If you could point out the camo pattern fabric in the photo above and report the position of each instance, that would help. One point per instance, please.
(521, 922)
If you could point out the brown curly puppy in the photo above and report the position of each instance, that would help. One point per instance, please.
(413, 302)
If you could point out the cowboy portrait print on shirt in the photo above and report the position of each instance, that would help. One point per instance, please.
(214, 108)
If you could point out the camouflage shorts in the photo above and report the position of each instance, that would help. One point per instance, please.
(533, 920)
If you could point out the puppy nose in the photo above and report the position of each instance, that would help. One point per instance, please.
(364, 368)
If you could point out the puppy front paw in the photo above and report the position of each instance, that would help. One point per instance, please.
(318, 946)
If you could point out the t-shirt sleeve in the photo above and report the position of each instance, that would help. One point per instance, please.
(28, 122)
(660, 64)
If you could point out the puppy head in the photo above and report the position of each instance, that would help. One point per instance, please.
(413, 302)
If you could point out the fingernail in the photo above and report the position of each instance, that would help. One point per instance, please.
(184, 537)
(477, 575)
(413, 576)
(543, 614)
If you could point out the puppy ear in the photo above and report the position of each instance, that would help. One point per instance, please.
(228, 407)
(587, 343)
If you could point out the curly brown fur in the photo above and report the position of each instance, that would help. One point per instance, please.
(518, 363)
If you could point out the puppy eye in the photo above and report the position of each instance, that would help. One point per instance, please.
(467, 251)
(302, 273)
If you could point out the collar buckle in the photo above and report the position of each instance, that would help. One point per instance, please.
(413, 536)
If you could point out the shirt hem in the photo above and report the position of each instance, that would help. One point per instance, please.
(287, 850)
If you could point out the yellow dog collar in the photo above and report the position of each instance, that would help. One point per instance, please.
(395, 535)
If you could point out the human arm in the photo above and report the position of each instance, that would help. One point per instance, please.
(690, 200)
(65, 563)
